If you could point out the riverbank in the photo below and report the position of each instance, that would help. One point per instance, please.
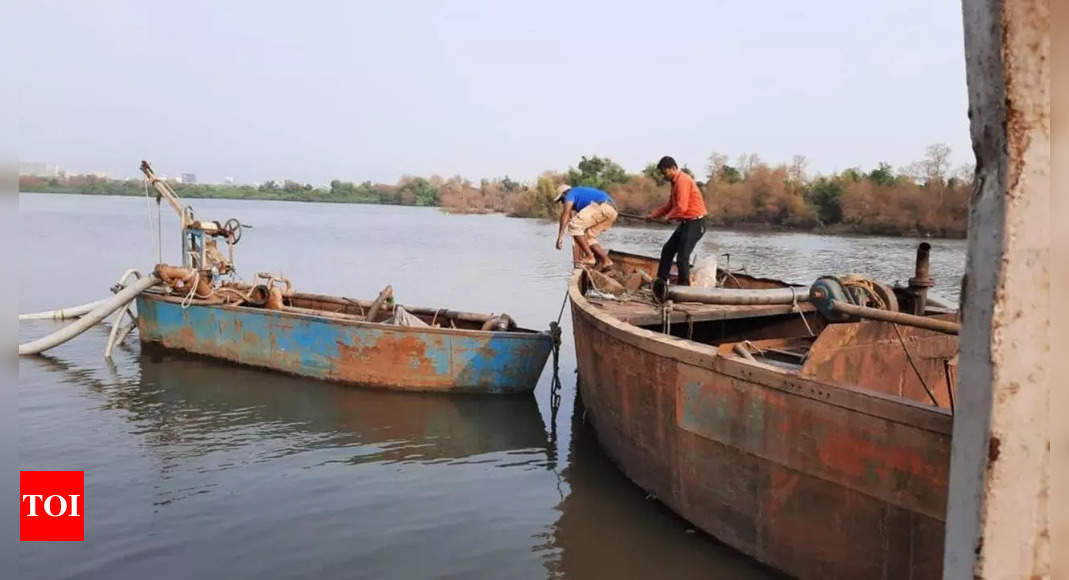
(924, 199)
(840, 229)
(823, 230)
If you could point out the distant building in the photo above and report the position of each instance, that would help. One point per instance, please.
(99, 174)
(188, 178)
(228, 180)
(39, 169)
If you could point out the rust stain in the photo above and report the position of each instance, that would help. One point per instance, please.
(812, 487)
(861, 459)
(390, 360)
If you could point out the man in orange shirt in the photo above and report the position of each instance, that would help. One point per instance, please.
(688, 208)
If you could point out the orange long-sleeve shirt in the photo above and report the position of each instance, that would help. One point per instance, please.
(685, 203)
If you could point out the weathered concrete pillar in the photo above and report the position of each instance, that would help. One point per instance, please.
(997, 520)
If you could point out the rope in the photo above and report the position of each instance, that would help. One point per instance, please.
(564, 303)
(869, 288)
(909, 357)
(798, 309)
(192, 289)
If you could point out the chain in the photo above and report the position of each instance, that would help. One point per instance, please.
(555, 387)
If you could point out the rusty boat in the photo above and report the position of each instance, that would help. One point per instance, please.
(327, 337)
(807, 427)
(201, 307)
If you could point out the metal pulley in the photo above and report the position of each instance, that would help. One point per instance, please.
(824, 293)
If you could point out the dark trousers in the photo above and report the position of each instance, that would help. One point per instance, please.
(679, 247)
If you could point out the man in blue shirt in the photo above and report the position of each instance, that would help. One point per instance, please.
(587, 212)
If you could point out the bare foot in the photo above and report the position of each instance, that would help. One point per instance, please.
(585, 263)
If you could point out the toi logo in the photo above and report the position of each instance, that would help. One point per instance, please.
(51, 506)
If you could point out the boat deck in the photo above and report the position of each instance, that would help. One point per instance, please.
(644, 312)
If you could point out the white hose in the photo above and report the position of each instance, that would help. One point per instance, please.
(120, 300)
(81, 309)
(119, 314)
(63, 313)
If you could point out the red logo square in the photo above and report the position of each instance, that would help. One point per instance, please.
(51, 506)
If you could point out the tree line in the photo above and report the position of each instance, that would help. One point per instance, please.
(927, 197)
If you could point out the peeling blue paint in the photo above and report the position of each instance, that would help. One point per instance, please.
(379, 355)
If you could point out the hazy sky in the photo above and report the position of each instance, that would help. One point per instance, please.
(355, 90)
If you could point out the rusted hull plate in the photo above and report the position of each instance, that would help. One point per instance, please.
(375, 355)
(796, 478)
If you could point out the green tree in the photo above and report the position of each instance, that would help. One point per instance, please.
(882, 175)
(825, 195)
(655, 174)
(417, 191)
(596, 172)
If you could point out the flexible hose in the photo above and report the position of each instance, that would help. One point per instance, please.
(119, 314)
(119, 300)
(63, 313)
(76, 311)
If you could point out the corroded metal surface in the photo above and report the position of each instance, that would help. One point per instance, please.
(905, 361)
(813, 478)
(369, 354)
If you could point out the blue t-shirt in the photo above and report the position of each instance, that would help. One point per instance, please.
(583, 196)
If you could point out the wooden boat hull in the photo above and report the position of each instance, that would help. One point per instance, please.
(814, 479)
(361, 353)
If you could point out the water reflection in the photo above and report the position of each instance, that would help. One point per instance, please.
(608, 529)
(186, 407)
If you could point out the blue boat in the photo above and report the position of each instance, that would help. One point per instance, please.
(352, 341)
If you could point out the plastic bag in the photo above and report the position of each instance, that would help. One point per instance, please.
(704, 272)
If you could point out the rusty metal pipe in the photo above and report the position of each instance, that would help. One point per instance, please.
(736, 296)
(935, 324)
(373, 310)
(922, 279)
(501, 322)
(741, 350)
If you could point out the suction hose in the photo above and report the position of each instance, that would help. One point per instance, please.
(76, 311)
(64, 313)
(98, 313)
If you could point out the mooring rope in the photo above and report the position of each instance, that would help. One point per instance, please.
(798, 309)
(562, 305)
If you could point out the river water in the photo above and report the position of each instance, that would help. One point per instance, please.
(197, 468)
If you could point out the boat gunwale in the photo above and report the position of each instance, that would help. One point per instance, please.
(524, 334)
(852, 397)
